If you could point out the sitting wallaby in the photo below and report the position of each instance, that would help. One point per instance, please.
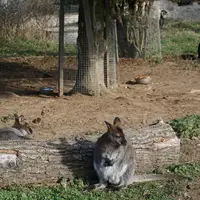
(115, 160)
(18, 131)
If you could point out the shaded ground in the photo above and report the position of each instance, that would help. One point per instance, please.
(173, 93)
(169, 96)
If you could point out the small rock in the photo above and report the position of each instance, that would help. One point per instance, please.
(186, 195)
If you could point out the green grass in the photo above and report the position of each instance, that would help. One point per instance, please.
(187, 127)
(76, 191)
(177, 37)
(180, 37)
(162, 190)
(191, 170)
(19, 47)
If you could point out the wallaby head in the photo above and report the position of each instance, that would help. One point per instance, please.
(116, 133)
(22, 125)
(163, 12)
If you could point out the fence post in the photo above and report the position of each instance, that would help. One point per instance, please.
(61, 50)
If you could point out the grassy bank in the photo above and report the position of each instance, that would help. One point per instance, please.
(75, 190)
(22, 47)
(178, 37)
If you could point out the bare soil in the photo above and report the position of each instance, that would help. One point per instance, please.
(173, 93)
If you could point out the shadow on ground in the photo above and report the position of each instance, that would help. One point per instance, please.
(25, 79)
(77, 155)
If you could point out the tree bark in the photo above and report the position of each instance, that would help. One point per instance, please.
(39, 162)
(138, 30)
(91, 48)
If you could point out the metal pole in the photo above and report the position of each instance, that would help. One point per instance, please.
(61, 49)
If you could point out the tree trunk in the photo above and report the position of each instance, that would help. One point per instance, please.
(153, 41)
(91, 48)
(39, 162)
(138, 30)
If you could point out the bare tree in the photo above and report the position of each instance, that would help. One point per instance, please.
(135, 22)
(91, 48)
(138, 23)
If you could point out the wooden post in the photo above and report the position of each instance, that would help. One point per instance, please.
(106, 73)
(61, 50)
(116, 42)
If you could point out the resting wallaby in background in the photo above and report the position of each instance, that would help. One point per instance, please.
(163, 14)
(115, 161)
(18, 131)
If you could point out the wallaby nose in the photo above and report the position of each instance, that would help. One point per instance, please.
(124, 142)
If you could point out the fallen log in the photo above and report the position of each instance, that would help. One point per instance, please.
(39, 162)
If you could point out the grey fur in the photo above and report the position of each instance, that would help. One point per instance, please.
(114, 158)
(18, 131)
(163, 14)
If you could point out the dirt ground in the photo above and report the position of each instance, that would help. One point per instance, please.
(173, 93)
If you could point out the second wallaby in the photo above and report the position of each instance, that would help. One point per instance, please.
(115, 160)
(18, 131)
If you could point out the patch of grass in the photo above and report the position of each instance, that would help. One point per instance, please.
(162, 190)
(75, 191)
(20, 46)
(177, 37)
(180, 37)
(189, 169)
(187, 127)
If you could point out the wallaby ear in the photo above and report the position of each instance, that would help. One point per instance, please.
(108, 125)
(117, 121)
(16, 116)
(21, 119)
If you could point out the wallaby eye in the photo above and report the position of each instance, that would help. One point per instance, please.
(118, 135)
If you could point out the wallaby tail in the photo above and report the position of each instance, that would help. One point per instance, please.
(157, 177)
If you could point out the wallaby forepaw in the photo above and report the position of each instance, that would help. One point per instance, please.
(99, 186)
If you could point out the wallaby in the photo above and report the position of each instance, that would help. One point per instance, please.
(115, 160)
(18, 131)
(163, 14)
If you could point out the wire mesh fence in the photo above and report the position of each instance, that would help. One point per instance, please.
(90, 70)
(84, 69)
